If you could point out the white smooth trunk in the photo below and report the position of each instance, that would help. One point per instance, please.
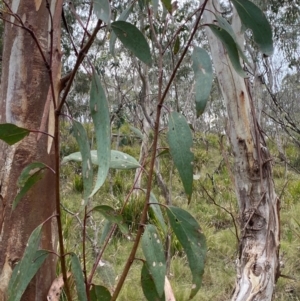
(257, 263)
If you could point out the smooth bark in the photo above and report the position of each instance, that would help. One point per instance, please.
(25, 87)
(257, 263)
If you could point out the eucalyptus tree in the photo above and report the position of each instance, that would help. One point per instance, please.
(34, 95)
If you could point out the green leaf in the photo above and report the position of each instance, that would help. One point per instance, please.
(203, 78)
(100, 293)
(123, 17)
(155, 7)
(107, 273)
(148, 285)
(154, 252)
(133, 40)
(110, 214)
(189, 234)
(168, 5)
(230, 46)
(176, 46)
(180, 142)
(106, 228)
(157, 213)
(78, 277)
(100, 115)
(118, 160)
(27, 267)
(11, 133)
(225, 25)
(252, 17)
(137, 132)
(102, 10)
(87, 170)
(31, 174)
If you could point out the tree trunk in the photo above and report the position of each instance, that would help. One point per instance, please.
(24, 88)
(257, 264)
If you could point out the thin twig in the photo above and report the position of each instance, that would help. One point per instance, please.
(226, 210)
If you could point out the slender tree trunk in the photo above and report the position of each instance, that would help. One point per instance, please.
(24, 88)
(257, 264)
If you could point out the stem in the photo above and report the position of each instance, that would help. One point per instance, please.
(89, 282)
(184, 52)
(80, 58)
(58, 211)
(87, 288)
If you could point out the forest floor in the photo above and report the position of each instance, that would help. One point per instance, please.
(213, 189)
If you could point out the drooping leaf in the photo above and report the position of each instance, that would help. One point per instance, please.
(107, 273)
(148, 285)
(100, 293)
(106, 228)
(189, 234)
(180, 142)
(176, 46)
(11, 133)
(78, 277)
(27, 267)
(31, 174)
(168, 5)
(157, 213)
(137, 132)
(203, 78)
(100, 115)
(87, 170)
(133, 40)
(225, 25)
(155, 7)
(252, 17)
(110, 214)
(102, 10)
(155, 257)
(123, 17)
(230, 47)
(118, 160)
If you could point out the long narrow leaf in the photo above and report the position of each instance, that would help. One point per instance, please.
(118, 160)
(252, 17)
(30, 175)
(155, 257)
(100, 115)
(189, 234)
(148, 285)
(87, 170)
(123, 17)
(102, 10)
(230, 47)
(78, 277)
(203, 78)
(27, 267)
(180, 141)
(133, 40)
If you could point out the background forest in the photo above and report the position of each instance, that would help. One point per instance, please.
(213, 203)
(131, 91)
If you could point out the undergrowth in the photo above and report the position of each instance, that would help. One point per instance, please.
(213, 205)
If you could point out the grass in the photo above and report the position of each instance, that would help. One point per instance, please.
(219, 275)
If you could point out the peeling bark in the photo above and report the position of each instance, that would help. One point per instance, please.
(24, 88)
(257, 264)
